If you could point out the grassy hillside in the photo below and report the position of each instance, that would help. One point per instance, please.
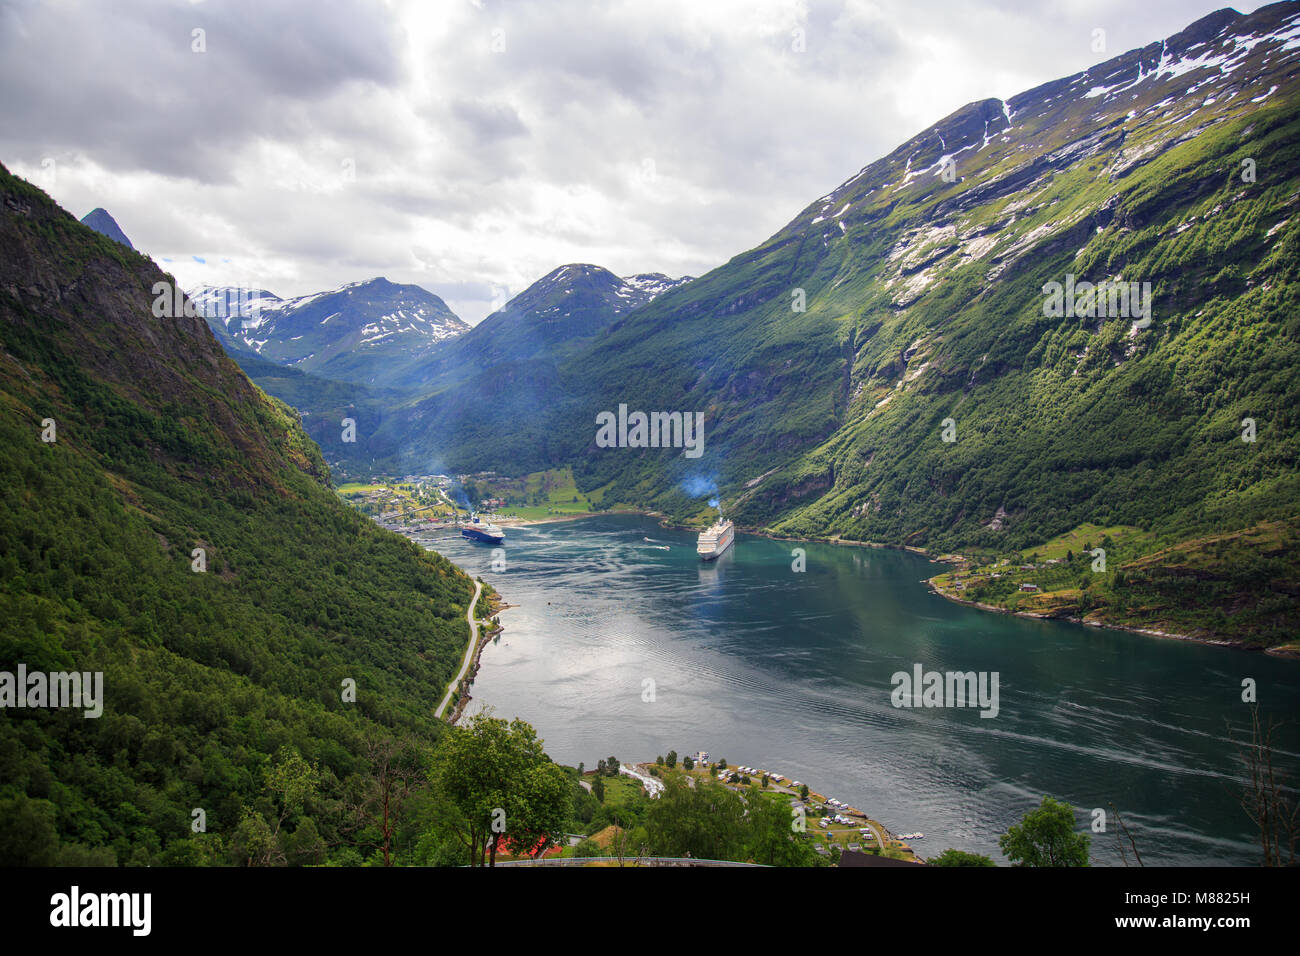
(218, 683)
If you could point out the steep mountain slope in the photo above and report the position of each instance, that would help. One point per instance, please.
(128, 441)
(371, 332)
(99, 220)
(1141, 170)
(924, 299)
(325, 404)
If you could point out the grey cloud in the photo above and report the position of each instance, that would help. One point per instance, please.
(487, 121)
(121, 82)
(474, 169)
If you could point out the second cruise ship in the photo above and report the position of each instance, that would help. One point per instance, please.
(715, 539)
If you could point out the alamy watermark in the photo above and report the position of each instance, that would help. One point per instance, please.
(57, 689)
(1109, 299)
(232, 302)
(683, 430)
(952, 689)
(127, 910)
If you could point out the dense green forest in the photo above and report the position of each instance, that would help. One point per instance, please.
(215, 680)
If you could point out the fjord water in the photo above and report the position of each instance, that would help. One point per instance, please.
(778, 669)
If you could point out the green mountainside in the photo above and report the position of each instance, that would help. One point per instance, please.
(924, 302)
(214, 681)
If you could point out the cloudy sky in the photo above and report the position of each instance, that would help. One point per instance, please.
(472, 147)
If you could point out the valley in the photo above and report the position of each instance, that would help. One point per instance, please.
(1005, 423)
(891, 367)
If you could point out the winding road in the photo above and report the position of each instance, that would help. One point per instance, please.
(469, 652)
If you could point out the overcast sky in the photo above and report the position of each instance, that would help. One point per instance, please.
(472, 147)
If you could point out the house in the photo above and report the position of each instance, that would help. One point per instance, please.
(1029, 587)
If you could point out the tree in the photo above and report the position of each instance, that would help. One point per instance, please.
(611, 766)
(30, 834)
(1046, 837)
(376, 798)
(770, 837)
(688, 763)
(546, 806)
(1264, 795)
(495, 781)
(289, 784)
(598, 788)
(671, 759)
(803, 791)
(704, 821)
(951, 857)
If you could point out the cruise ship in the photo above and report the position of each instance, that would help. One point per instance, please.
(715, 539)
(487, 533)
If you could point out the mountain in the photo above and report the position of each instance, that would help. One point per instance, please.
(171, 527)
(372, 332)
(99, 220)
(923, 299)
(470, 384)
(546, 321)
(570, 303)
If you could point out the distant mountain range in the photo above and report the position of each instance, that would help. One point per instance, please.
(99, 220)
(569, 305)
(371, 332)
(389, 330)
(312, 352)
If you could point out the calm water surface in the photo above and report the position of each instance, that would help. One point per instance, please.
(792, 671)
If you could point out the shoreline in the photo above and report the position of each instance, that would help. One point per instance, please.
(885, 838)
(954, 559)
(1128, 628)
(466, 683)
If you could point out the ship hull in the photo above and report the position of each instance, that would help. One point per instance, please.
(719, 549)
(474, 534)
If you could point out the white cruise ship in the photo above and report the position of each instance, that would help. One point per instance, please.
(715, 539)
